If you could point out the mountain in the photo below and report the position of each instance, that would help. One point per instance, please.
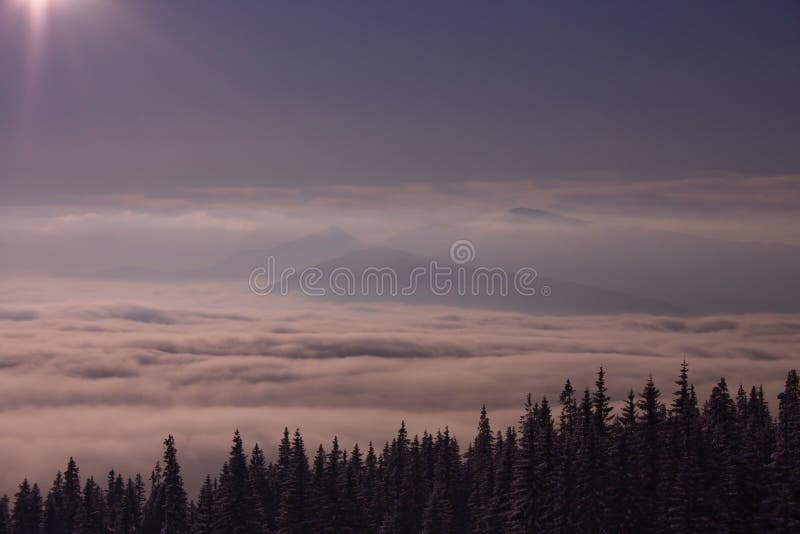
(552, 296)
(696, 274)
(299, 253)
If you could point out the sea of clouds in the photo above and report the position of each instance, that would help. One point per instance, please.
(102, 371)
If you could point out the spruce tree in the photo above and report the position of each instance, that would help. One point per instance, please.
(332, 481)
(54, 507)
(592, 503)
(523, 508)
(650, 454)
(503, 498)
(317, 491)
(481, 467)
(293, 515)
(565, 499)
(624, 484)
(206, 508)
(260, 475)
(373, 495)
(175, 504)
(722, 434)
(131, 512)
(400, 515)
(92, 511)
(685, 505)
(787, 457)
(115, 495)
(354, 514)
(26, 517)
(72, 496)
(238, 507)
(5, 515)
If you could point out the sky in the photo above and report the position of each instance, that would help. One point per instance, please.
(641, 157)
(276, 93)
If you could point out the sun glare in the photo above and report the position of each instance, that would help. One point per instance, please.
(37, 11)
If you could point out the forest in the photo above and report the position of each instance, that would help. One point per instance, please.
(651, 463)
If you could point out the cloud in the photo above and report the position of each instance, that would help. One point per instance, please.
(18, 315)
(199, 361)
(96, 372)
(150, 315)
(138, 314)
(695, 327)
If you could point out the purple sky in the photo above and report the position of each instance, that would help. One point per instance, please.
(153, 98)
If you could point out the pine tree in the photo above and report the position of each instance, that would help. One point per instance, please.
(439, 514)
(685, 506)
(238, 507)
(72, 497)
(373, 490)
(481, 467)
(131, 512)
(206, 508)
(293, 516)
(565, 499)
(153, 511)
(401, 516)
(601, 404)
(27, 515)
(174, 502)
(332, 479)
(5, 515)
(115, 495)
(505, 459)
(650, 453)
(54, 507)
(263, 487)
(525, 485)
(625, 486)
(592, 503)
(140, 499)
(317, 492)
(92, 511)
(437, 517)
(415, 483)
(354, 516)
(787, 457)
(722, 433)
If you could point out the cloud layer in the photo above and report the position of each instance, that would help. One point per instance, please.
(103, 378)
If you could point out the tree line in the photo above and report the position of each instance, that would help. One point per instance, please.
(654, 466)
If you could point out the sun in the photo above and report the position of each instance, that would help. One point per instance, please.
(37, 10)
(36, 5)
